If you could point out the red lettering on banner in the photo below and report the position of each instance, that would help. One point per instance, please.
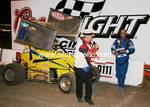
(25, 13)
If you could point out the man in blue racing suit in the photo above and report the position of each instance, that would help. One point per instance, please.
(122, 48)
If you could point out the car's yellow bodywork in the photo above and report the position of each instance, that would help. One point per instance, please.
(41, 62)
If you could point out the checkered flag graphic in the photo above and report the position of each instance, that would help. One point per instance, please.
(81, 7)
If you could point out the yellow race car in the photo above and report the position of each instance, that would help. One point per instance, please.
(42, 65)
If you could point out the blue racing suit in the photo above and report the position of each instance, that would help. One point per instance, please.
(122, 58)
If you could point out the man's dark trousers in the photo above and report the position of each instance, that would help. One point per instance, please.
(83, 77)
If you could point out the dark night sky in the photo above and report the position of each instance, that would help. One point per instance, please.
(5, 14)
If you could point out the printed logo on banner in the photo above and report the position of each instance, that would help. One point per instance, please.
(106, 70)
(110, 26)
(64, 45)
(81, 7)
(25, 13)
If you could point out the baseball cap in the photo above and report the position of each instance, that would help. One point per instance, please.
(86, 34)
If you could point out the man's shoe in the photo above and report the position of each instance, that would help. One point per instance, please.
(122, 91)
(80, 100)
(90, 102)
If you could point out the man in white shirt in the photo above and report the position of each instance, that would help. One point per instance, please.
(83, 67)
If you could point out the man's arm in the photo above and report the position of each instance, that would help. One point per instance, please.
(131, 48)
(83, 49)
(114, 47)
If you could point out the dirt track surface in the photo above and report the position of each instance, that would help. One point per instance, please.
(33, 94)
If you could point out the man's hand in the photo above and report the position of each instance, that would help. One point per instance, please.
(115, 53)
(124, 50)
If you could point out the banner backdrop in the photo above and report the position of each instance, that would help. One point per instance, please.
(105, 18)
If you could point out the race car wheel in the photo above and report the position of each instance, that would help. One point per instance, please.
(13, 74)
(67, 83)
